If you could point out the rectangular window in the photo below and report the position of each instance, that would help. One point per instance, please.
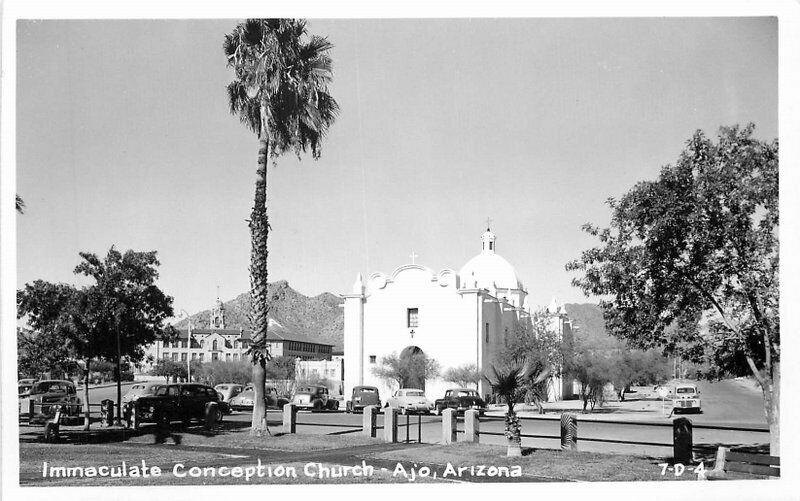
(372, 359)
(175, 356)
(166, 354)
(215, 356)
(184, 356)
(202, 356)
(194, 356)
(227, 356)
(487, 331)
(413, 318)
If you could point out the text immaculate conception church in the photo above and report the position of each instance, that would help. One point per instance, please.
(456, 318)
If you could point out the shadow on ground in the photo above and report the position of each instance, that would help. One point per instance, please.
(101, 435)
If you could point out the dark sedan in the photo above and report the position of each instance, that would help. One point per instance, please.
(460, 399)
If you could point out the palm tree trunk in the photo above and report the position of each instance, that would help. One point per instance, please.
(259, 230)
(86, 409)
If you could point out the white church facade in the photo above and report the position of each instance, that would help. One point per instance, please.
(455, 317)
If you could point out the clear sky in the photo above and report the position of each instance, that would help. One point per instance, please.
(124, 137)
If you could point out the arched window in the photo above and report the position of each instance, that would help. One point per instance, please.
(214, 345)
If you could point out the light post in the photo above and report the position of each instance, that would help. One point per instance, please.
(188, 348)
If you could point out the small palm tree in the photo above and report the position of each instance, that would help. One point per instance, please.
(509, 384)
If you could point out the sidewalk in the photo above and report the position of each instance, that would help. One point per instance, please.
(629, 410)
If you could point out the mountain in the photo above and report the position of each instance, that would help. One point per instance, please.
(318, 317)
(588, 317)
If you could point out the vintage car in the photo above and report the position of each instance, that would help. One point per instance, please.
(140, 390)
(460, 399)
(228, 390)
(24, 389)
(244, 400)
(410, 400)
(175, 402)
(685, 397)
(363, 396)
(28, 381)
(315, 398)
(50, 393)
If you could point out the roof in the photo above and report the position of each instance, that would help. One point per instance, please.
(489, 271)
(245, 334)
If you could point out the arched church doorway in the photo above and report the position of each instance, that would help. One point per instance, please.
(415, 365)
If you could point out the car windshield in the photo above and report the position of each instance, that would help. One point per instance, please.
(467, 393)
(307, 389)
(367, 390)
(686, 389)
(50, 387)
(414, 394)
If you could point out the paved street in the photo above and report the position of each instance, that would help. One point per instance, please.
(431, 431)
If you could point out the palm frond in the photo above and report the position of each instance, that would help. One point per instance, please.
(20, 205)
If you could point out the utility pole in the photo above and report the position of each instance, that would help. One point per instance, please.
(189, 348)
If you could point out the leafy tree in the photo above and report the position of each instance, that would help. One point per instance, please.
(282, 367)
(225, 371)
(464, 375)
(167, 369)
(402, 370)
(690, 260)
(39, 353)
(637, 366)
(280, 92)
(122, 312)
(593, 370)
(538, 347)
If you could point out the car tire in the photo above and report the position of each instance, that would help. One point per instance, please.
(219, 415)
(317, 406)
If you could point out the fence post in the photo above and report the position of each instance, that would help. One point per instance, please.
(368, 423)
(682, 440)
(472, 426)
(569, 431)
(390, 425)
(448, 426)
(289, 418)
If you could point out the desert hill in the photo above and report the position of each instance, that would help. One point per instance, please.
(317, 317)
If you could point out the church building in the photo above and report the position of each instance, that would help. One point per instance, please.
(455, 317)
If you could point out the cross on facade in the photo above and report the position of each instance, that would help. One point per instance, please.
(413, 257)
(488, 223)
(218, 292)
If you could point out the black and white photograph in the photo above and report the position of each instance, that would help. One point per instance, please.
(515, 253)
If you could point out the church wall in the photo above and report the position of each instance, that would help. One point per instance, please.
(445, 332)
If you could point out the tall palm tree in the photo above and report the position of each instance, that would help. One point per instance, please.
(280, 92)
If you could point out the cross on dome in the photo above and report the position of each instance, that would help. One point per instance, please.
(488, 224)
(413, 257)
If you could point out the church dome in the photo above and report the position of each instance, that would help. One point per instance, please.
(488, 270)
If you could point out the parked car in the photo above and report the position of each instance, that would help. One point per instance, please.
(363, 396)
(53, 392)
(314, 398)
(175, 402)
(244, 400)
(139, 390)
(24, 389)
(410, 400)
(228, 390)
(28, 381)
(460, 399)
(686, 397)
